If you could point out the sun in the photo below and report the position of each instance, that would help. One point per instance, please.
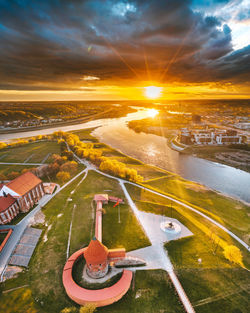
(153, 92)
(152, 113)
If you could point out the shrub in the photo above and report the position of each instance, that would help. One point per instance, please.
(233, 254)
(70, 167)
(63, 176)
(3, 145)
(88, 308)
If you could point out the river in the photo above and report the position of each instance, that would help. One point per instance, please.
(154, 150)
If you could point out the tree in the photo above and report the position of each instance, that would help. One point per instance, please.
(70, 167)
(88, 308)
(3, 145)
(53, 168)
(68, 154)
(58, 159)
(233, 254)
(63, 176)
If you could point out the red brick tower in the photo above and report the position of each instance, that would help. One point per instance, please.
(96, 256)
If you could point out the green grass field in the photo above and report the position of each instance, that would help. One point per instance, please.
(231, 213)
(6, 169)
(215, 285)
(44, 275)
(151, 292)
(85, 134)
(37, 151)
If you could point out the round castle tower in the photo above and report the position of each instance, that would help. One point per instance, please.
(96, 256)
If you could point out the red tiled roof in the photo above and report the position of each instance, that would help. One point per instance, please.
(96, 253)
(24, 183)
(6, 202)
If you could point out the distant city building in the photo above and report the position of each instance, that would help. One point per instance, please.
(209, 137)
(242, 125)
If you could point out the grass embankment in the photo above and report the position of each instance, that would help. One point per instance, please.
(150, 202)
(214, 284)
(36, 152)
(85, 134)
(231, 213)
(148, 172)
(44, 276)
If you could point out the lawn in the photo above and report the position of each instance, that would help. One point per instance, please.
(231, 213)
(34, 152)
(6, 168)
(151, 292)
(215, 285)
(150, 202)
(125, 234)
(85, 134)
(44, 276)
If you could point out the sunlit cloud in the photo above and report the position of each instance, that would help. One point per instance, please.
(90, 78)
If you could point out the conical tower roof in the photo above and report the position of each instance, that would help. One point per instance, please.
(96, 253)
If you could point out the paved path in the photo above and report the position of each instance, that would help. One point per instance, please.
(28, 158)
(156, 254)
(45, 158)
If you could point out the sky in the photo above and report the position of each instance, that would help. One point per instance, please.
(97, 49)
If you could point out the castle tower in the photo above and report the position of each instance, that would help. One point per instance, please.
(96, 256)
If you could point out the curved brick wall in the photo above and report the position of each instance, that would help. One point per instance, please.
(9, 230)
(99, 297)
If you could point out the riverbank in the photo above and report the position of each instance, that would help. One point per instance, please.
(236, 158)
(106, 114)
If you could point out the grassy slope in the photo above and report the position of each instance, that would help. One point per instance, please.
(231, 213)
(215, 277)
(38, 149)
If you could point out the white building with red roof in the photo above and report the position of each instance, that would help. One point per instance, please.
(27, 189)
(8, 209)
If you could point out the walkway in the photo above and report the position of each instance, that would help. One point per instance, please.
(156, 253)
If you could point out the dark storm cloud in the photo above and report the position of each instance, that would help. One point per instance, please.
(52, 44)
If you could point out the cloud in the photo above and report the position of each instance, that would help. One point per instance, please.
(46, 44)
(90, 78)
